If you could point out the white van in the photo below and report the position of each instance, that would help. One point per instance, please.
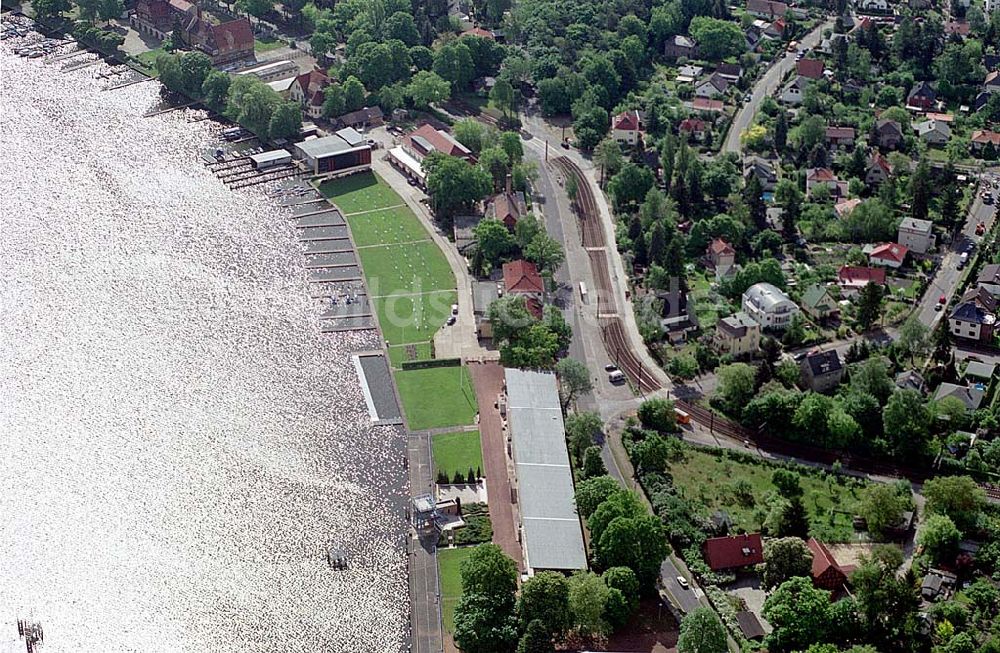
(617, 377)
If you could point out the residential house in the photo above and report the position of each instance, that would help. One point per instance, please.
(937, 584)
(688, 74)
(978, 372)
(626, 127)
(940, 117)
(822, 371)
(921, 97)
(737, 335)
(933, 132)
(731, 71)
(424, 140)
(970, 396)
(721, 256)
(957, 27)
(991, 61)
(307, 90)
(992, 82)
(974, 316)
(818, 304)
(792, 92)
(843, 208)
(706, 105)
(920, 4)
(891, 255)
(507, 207)
(775, 30)
(763, 170)
(680, 46)
(838, 137)
(888, 134)
(157, 17)
(851, 278)
(879, 169)
(752, 37)
(981, 100)
(713, 87)
(810, 68)
(768, 9)
(873, 6)
(911, 380)
(816, 177)
(521, 278)
(916, 235)
(480, 32)
(675, 318)
(224, 43)
(363, 118)
(826, 571)
(693, 128)
(769, 306)
(733, 551)
(982, 138)
(989, 279)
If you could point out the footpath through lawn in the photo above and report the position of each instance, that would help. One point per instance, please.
(412, 289)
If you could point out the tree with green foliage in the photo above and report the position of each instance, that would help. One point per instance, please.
(629, 187)
(453, 62)
(574, 380)
(592, 492)
(545, 252)
(495, 161)
(427, 88)
(881, 507)
(788, 483)
(792, 520)
(536, 639)
(608, 156)
(545, 597)
(957, 497)
(683, 366)
(354, 94)
(869, 304)
(784, 558)
(215, 90)
(485, 614)
(799, 614)
(717, 39)
(251, 103)
(736, 385)
(657, 414)
(454, 185)
(511, 144)
(401, 27)
(334, 101)
(906, 422)
(509, 315)
(286, 121)
(940, 537)
(49, 10)
(472, 134)
(702, 632)
(588, 597)
(494, 245)
(886, 602)
(624, 580)
(593, 464)
(583, 430)
(651, 454)
(503, 96)
(914, 337)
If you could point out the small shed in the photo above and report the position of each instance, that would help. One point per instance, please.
(980, 371)
(750, 625)
(270, 159)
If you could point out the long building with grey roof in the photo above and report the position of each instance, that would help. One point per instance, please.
(549, 524)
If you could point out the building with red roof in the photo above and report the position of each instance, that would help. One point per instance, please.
(424, 140)
(766, 8)
(626, 127)
(224, 43)
(733, 551)
(826, 571)
(307, 90)
(480, 32)
(521, 278)
(888, 254)
(853, 278)
(707, 104)
(810, 68)
(981, 138)
(156, 17)
(693, 127)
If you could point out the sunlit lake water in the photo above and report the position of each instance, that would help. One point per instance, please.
(180, 444)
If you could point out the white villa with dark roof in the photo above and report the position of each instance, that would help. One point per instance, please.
(769, 306)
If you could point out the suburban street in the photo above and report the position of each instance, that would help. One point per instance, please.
(948, 276)
(765, 86)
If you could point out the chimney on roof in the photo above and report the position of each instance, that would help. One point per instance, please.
(507, 186)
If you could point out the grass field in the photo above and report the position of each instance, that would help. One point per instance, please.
(148, 60)
(386, 227)
(710, 479)
(450, 571)
(398, 354)
(361, 192)
(266, 45)
(414, 268)
(413, 319)
(457, 452)
(437, 397)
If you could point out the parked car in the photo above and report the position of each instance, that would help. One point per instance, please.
(451, 320)
(454, 309)
(617, 377)
(683, 583)
(980, 229)
(942, 300)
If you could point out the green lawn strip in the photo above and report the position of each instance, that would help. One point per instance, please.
(437, 397)
(407, 319)
(360, 192)
(398, 354)
(705, 477)
(148, 60)
(450, 572)
(406, 269)
(457, 452)
(266, 45)
(386, 227)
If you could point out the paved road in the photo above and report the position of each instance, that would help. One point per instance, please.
(948, 276)
(765, 86)
(425, 614)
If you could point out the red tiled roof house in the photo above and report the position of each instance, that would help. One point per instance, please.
(626, 127)
(888, 254)
(421, 142)
(826, 572)
(521, 278)
(733, 552)
(307, 90)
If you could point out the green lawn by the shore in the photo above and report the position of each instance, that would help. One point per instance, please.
(413, 319)
(386, 227)
(705, 477)
(411, 269)
(450, 572)
(148, 60)
(457, 452)
(437, 397)
(398, 354)
(360, 192)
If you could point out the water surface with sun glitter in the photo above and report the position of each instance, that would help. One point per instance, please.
(179, 444)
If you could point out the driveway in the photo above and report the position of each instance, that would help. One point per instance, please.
(765, 86)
